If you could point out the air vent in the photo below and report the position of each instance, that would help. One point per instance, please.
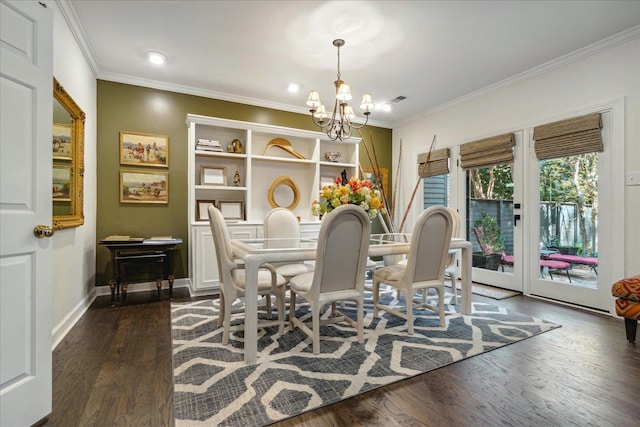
(398, 99)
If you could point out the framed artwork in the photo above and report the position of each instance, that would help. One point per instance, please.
(61, 183)
(231, 210)
(144, 187)
(144, 149)
(327, 180)
(62, 143)
(383, 177)
(213, 175)
(202, 207)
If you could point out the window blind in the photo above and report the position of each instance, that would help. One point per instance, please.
(437, 163)
(570, 137)
(483, 153)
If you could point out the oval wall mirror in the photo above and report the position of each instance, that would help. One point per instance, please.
(283, 192)
(68, 160)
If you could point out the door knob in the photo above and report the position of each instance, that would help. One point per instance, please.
(41, 231)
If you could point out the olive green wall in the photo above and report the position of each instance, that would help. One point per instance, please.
(124, 107)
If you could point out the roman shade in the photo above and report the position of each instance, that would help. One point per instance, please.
(483, 153)
(434, 163)
(571, 137)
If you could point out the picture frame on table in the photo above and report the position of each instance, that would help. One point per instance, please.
(62, 143)
(144, 186)
(61, 182)
(144, 149)
(232, 210)
(213, 175)
(202, 207)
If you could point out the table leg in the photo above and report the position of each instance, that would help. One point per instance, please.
(123, 284)
(112, 285)
(465, 306)
(160, 273)
(171, 279)
(252, 264)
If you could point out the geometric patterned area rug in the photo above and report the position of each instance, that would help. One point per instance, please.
(213, 386)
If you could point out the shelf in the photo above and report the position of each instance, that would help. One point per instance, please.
(338, 165)
(221, 155)
(220, 188)
(283, 160)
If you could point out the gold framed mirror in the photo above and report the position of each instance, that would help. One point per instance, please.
(283, 192)
(68, 160)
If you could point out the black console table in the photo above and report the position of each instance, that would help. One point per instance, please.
(157, 252)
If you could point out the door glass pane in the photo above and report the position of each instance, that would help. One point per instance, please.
(490, 224)
(569, 219)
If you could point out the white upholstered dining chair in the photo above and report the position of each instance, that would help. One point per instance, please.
(281, 224)
(451, 267)
(232, 277)
(424, 269)
(341, 258)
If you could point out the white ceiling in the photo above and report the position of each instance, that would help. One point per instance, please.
(432, 52)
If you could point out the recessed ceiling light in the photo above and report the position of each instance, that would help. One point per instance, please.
(384, 107)
(156, 58)
(293, 87)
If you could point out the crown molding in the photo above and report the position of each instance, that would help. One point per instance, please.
(585, 52)
(69, 14)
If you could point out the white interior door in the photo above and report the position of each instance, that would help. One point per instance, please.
(588, 287)
(26, 82)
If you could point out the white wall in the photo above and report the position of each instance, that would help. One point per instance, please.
(74, 248)
(595, 78)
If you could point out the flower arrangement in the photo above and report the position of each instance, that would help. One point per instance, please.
(355, 192)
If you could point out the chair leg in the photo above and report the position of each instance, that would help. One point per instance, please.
(267, 299)
(631, 327)
(408, 297)
(376, 296)
(227, 321)
(281, 314)
(360, 320)
(221, 314)
(315, 324)
(440, 292)
(292, 308)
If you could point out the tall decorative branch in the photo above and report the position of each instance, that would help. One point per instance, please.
(396, 184)
(415, 188)
(388, 221)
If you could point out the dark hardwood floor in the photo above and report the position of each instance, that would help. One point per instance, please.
(114, 369)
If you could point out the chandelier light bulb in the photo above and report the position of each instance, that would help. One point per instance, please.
(344, 94)
(367, 103)
(314, 100)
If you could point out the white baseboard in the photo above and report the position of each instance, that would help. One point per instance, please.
(69, 321)
(63, 328)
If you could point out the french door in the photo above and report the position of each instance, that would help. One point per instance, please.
(577, 219)
(494, 221)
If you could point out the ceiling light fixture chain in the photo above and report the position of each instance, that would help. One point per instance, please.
(340, 125)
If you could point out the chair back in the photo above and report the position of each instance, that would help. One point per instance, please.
(281, 223)
(430, 240)
(343, 246)
(222, 243)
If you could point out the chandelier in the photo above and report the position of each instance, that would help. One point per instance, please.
(340, 124)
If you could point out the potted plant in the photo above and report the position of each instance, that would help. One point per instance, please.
(491, 241)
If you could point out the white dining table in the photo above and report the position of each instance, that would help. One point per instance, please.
(256, 252)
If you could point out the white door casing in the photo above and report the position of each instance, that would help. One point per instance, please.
(26, 82)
